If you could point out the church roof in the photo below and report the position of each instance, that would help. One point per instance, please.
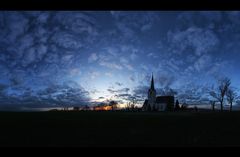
(164, 99)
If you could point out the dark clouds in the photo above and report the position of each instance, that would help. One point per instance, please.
(34, 38)
(55, 95)
(134, 24)
(38, 48)
(42, 50)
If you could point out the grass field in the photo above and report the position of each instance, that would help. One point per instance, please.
(89, 128)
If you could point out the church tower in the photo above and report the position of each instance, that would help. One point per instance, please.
(152, 95)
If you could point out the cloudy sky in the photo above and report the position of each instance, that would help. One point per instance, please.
(50, 59)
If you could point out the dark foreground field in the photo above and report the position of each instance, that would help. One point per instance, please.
(119, 129)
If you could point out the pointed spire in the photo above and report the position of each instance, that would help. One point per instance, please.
(152, 83)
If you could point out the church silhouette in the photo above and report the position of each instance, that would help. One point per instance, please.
(157, 103)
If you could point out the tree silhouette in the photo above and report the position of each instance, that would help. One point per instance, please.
(231, 96)
(223, 86)
(177, 107)
(113, 104)
(213, 105)
(128, 106)
(131, 105)
(183, 106)
(196, 108)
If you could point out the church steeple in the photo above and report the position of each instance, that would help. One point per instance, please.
(152, 83)
(152, 95)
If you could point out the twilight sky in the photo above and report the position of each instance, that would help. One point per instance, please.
(51, 59)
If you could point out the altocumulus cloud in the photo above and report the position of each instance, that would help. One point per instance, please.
(42, 45)
(50, 57)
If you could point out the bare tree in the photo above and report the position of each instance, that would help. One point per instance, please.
(113, 104)
(213, 105)
(221, 90)
(231, 96)
(177, 106)
(195, 108)
(128, 106)
(131, 105)
(184, 106)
